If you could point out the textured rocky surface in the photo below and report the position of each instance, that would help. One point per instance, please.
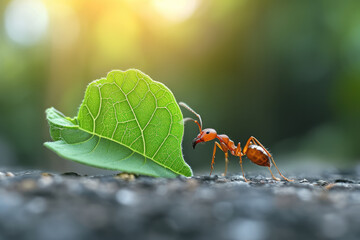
(46, 206)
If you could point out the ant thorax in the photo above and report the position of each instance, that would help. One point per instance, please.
(229, 143)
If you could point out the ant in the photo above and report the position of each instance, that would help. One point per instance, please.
(253, 149)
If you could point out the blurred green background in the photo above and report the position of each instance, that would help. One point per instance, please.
(286, 72)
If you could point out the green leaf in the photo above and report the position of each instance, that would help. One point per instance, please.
(126, 122)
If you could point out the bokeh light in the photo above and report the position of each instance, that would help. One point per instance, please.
(176, 10)
(26, 21)
(64, 26)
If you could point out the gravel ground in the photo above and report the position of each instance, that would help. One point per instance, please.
(47, 206)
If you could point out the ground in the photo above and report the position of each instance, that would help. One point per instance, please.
(53, 206)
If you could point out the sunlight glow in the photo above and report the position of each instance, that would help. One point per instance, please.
(26, 21)
(65, 26)
(176, 10)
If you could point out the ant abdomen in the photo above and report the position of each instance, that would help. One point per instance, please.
(258, 156)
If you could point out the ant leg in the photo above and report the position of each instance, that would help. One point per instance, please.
(239, 153)
(272, 159)
(247, 145)
(213, 157)
(289, 180)
(242, 170)
(275, 178)
(226, 163)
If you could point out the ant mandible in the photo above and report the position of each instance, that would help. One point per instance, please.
(253, 149)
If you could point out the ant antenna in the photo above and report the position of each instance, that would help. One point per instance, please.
(191, 110)
(190, 119)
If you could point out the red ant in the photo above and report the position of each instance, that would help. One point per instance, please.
(253, 149)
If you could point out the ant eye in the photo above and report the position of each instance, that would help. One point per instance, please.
(207, 132)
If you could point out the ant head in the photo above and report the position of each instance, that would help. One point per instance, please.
(205, 135)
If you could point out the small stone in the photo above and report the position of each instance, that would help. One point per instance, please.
(45, 174)
(125, 176)
(28, 185)
(211, 177)
(126, 197)
(71, 174)
(322, 183)
(343, 181)
(221, 180)
(46, 181)
(9, 174)
(259, 177)
(303, 181)
(237, 178)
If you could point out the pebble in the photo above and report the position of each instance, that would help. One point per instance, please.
(45, 174)
(71, 174)
(125, 176)
(343, 181)
(303, 181)
(211, 177)
(221, 180)
(9, 174)
(27, 185)
(237, 178)
(322, 183)
(45, 181)
(126, 197)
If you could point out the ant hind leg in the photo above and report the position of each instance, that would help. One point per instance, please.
(275, 178)
(272, 159)
(289, 180)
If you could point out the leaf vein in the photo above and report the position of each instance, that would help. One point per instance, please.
(142, 134)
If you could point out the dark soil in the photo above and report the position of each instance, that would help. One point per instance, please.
(49, 206)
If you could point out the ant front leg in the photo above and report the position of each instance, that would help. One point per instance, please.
(213, 157)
